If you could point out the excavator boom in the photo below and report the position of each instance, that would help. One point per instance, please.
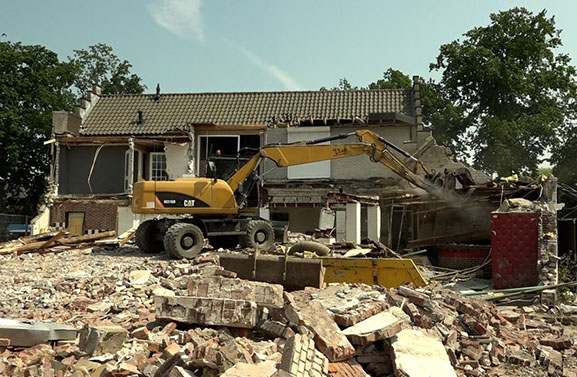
(370, 143)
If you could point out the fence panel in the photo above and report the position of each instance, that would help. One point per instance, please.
(13, 226)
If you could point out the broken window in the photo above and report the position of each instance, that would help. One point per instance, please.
(227, 145)
(158, 166)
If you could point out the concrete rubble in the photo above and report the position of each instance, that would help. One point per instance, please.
(142, 315)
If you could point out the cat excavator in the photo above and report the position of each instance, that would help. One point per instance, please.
(179, 215)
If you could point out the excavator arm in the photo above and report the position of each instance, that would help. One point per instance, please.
(376, 147)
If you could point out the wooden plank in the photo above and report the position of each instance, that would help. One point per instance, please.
(53, 239)
(35, 246)
(127, 236)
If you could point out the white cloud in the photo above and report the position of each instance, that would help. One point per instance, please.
(286, 79)
(180, 17)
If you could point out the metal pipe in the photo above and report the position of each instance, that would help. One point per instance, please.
(400, 150)
(329, 138)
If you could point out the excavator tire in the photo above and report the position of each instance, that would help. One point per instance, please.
(183, 240)
(312, 246)
(259, 234)
(226, 242)
(147, 238)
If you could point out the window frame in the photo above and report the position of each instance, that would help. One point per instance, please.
(151, 156)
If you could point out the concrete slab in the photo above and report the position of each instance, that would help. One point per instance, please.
(29, 333)
(380, 326)
(416, 354)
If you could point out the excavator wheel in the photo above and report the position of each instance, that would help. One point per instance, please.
(147, 239)
(226, 242)
(183, 240)
(259, 234)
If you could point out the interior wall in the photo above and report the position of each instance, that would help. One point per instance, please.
(107, 175)
(302, 219)
(361, 167)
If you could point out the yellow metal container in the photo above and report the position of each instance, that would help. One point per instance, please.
(387, 272)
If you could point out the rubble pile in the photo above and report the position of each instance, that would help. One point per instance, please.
(146, 316)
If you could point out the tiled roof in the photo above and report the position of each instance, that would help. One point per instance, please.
(117, 114)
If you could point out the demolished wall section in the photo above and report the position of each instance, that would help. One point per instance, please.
(99, 215)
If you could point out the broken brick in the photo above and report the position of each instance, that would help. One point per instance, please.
(300, 358)
(207, 311)
(327, 335)
(263, 294)
(349, 368)
(265, 369)
(557, 343)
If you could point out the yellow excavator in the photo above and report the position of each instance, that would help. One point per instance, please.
(181, 214)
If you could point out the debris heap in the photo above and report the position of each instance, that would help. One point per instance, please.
(145, 316)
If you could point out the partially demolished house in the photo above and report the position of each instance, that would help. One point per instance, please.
(109, 142)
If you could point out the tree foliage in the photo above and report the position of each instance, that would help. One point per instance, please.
(33, 83)
(506, 93)
(392, 79)
(99, 65)
(344, 84)
(564, 157)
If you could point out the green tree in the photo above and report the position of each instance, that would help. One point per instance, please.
(392, 79)
(564, 157)
(506, 91)
(344, 84)
(99, 65)
(33, 83)
(438, 112)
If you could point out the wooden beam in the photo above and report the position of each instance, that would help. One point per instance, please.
(35, 246)
(53, 239)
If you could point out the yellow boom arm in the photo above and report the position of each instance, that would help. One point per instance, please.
(304, 152)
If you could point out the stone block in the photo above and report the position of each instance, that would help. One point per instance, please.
(263, 294)
(549, 297)
(300, 358)
(139, 277)
(380, 326)
(100, 340)
(327, 336)
(415, 354)
(207, 311)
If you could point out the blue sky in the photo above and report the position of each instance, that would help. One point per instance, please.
(262, 45)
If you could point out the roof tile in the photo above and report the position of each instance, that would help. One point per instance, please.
(117, 114)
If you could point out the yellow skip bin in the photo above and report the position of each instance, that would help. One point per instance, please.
(387, 272)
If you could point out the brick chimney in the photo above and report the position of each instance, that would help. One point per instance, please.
(87, 102)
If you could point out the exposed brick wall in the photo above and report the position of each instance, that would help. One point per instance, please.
(98, 214)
